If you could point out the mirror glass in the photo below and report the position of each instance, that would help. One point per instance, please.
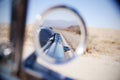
(61, 34)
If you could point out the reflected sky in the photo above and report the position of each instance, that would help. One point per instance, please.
(96, 13)
(61, 14)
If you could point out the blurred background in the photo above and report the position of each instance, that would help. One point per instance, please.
(103, 13)
(102, 18)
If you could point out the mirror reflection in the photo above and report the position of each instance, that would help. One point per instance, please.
(60, 34)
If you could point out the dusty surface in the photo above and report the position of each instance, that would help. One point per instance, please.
(101, 60)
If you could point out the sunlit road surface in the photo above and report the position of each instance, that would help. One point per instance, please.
(83, 68)
(88, 68)
(70, 53)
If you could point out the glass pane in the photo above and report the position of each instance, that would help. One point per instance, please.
(5, 15)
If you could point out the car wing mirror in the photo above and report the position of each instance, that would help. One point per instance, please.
(60, 36)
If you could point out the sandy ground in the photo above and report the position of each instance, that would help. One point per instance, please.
(101, 60)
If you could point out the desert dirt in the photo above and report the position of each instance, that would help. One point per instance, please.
(101, 60)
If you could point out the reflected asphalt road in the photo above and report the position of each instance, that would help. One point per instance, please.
(55, 48)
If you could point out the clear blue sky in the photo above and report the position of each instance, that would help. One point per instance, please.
(5, 10)
(96, 13)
